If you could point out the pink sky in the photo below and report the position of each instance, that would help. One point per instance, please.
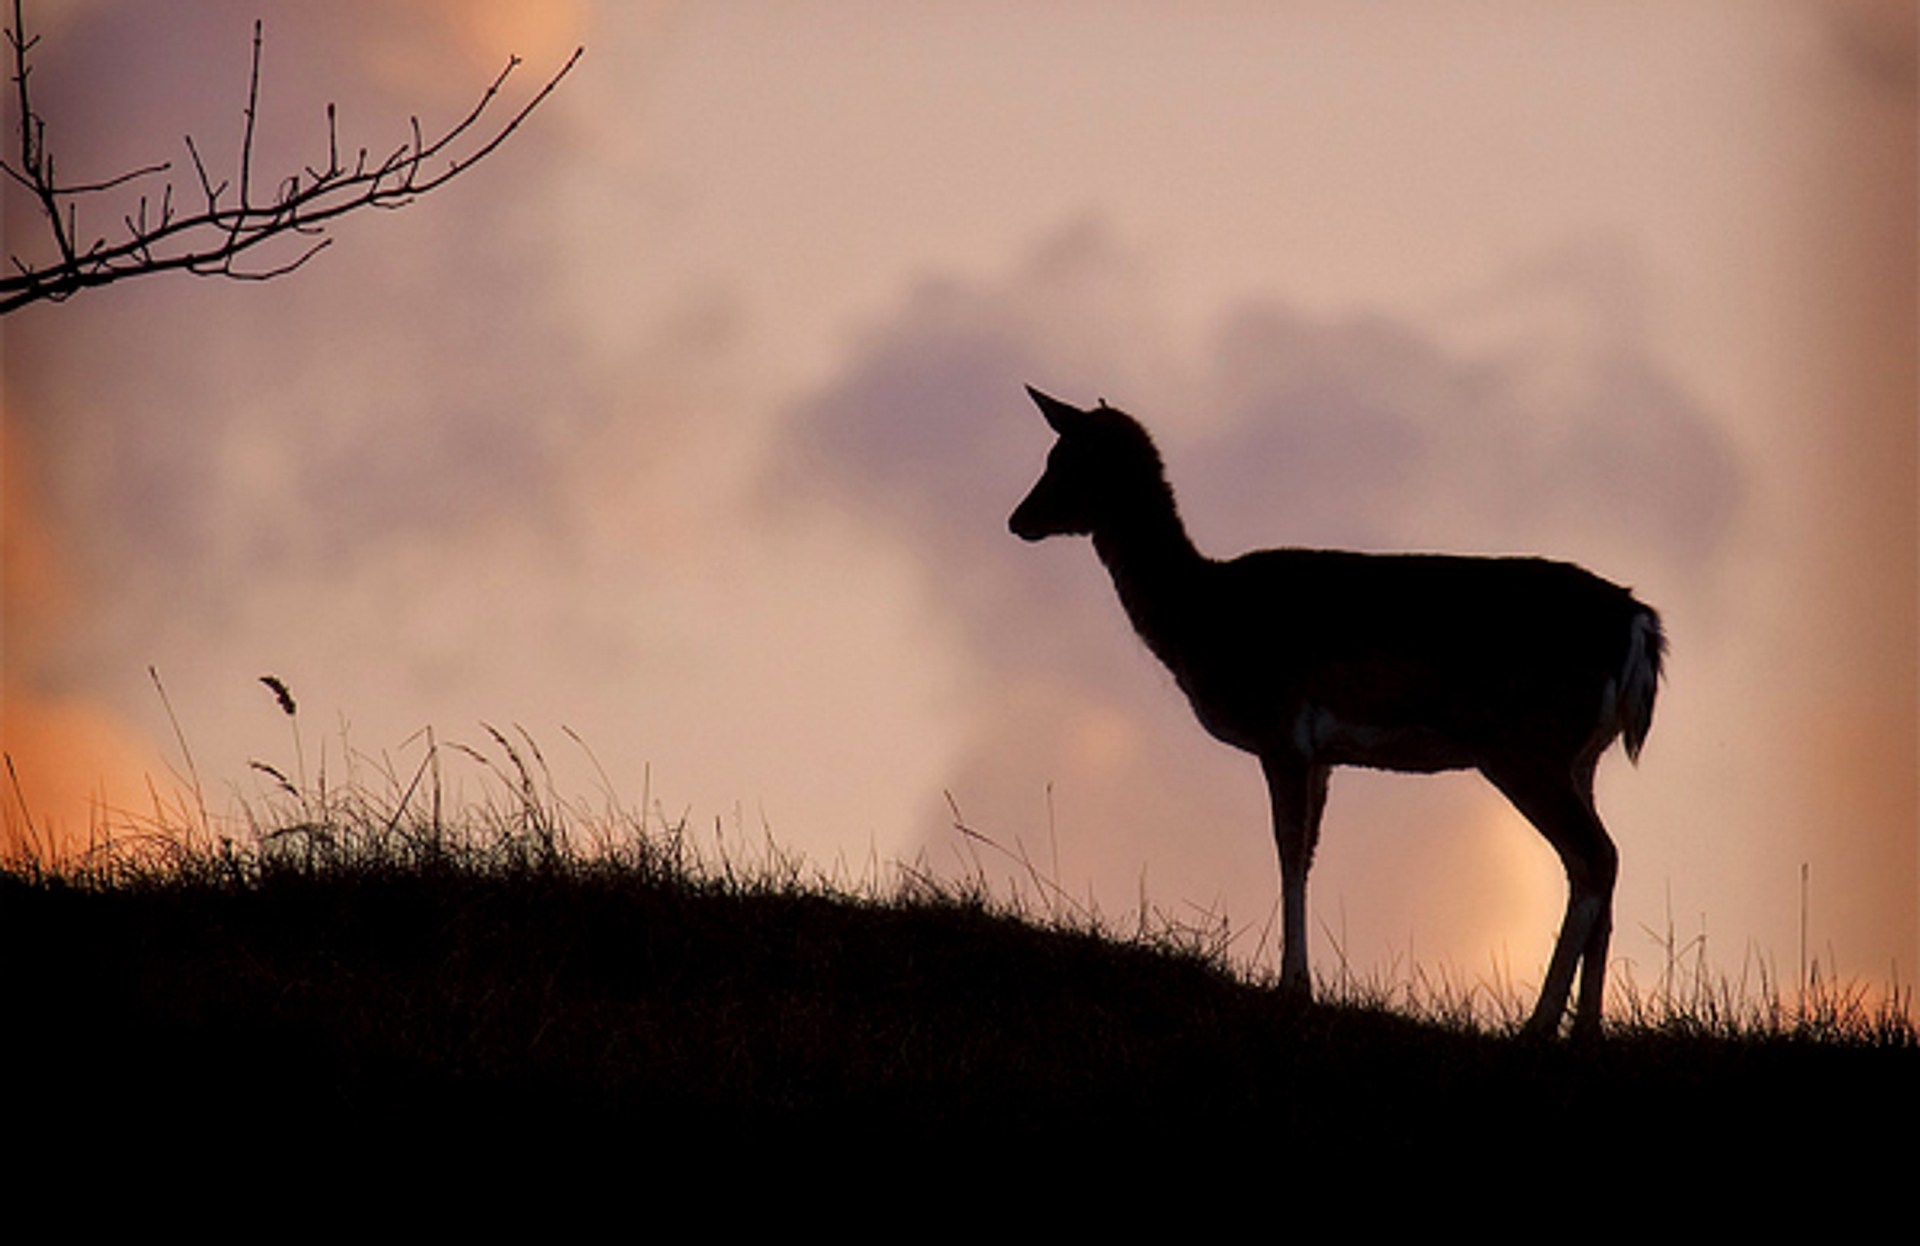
(690, 422)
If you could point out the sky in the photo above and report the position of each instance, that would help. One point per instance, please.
(687, 424)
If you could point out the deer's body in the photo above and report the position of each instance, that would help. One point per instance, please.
(1522, 668)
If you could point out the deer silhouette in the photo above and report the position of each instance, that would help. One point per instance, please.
(1524, 669)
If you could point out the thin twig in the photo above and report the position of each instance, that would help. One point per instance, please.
(215, 240)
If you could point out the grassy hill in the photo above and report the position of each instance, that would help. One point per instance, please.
(230, 995)
(350, 984)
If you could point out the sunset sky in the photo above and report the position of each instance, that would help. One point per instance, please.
(689, 423)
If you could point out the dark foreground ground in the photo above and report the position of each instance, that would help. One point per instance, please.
(394, 1014)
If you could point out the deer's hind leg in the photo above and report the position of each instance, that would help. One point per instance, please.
(1559, 803)
(1298, 791)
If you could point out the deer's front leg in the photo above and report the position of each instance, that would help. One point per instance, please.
(1298, 790)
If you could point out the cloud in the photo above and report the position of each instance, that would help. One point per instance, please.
(1278, 429)
(1369, 433)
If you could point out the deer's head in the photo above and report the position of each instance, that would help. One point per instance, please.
(1098, 472)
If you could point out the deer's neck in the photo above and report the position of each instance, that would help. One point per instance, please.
(1155, 569)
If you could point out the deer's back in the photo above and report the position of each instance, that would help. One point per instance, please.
(1409, 661)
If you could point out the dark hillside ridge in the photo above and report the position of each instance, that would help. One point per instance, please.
(424, 1007)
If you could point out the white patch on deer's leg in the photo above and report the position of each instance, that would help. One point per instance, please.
(1293, 907)
(1599, 868)
(1298, 793)
(1593, 965)
(1552, 1004)
(1582, 944)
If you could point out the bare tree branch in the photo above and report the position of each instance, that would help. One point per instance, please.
(224, 229)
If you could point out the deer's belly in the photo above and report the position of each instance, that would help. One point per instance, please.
(1326, 736)
(1323, 734)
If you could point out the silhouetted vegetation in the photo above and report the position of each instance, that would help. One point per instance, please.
(368, 973)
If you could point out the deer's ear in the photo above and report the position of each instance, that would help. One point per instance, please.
(1061, 417)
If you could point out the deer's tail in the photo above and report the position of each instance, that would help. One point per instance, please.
(1640, 679)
